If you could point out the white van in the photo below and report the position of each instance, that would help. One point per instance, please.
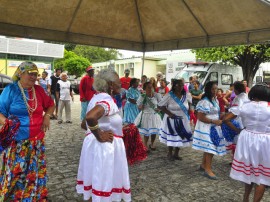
(224, 75)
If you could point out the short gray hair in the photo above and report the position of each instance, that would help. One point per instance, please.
(102, 78)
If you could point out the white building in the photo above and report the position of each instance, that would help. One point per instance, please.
(152, 64)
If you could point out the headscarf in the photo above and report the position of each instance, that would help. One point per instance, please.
(25, 66)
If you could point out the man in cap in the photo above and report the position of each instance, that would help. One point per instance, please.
(125, 81)
(86, 89)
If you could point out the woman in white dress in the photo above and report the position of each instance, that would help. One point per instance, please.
(230, 135)
(103, 169)
(251, 163)
(207, 135)
(148, 121)
(175, 131)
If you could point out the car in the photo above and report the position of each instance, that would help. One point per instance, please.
(4, 81)
(75, 84)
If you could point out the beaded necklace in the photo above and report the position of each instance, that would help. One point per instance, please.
(29, 109)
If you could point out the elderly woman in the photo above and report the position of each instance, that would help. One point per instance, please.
(175, 131)
(23, 175)
(148, 121)
(207, 135)
(45, 83)
(251, 163)
(131, 110)
(103, 170)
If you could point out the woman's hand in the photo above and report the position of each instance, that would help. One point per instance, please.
(141, 107)
(132, 101)
(217, 122)
(104, 136)
(46, 123)
(171, 115)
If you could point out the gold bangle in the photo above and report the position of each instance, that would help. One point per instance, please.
(48, 115)
(93, 127)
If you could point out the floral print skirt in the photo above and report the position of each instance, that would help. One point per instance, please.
(23, 173)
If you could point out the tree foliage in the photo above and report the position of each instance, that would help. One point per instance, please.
(74, 64)
(249, 57)
(96, 54)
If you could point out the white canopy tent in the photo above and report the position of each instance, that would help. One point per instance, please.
(139, 25)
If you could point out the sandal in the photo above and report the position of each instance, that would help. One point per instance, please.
(68, 121)
(170, 158)
(152, 148)
(59, 122)
(178, 158)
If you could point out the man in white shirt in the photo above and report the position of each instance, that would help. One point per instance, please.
(63, 94)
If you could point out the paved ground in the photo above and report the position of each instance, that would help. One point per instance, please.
(156, 179)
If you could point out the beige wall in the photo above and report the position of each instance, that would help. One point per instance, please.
(151, 67)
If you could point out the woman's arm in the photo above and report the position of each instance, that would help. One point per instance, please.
(46, 118)
(92, 118)
(225, 98)
(202, 117)
(132, 101)
(197, 96)
(2, 119)
(166, 111)
(227, 119)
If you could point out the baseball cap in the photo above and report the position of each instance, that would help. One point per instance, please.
(89, 68)
(127, 71)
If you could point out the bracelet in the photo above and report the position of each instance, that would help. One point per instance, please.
(93, 127)
(48, 115)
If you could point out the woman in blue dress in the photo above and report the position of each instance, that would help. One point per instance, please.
(131, 110)
(207, 134)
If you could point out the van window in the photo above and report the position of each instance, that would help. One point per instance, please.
(226, 79)
(258, 79)
(213, 76)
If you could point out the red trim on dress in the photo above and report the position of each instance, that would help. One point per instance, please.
(105, 102)
(104, 193)
(248, 170)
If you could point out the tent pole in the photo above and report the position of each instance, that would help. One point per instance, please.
(143, 63)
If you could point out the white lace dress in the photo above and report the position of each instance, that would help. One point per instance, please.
(103, 169)
(252, 156)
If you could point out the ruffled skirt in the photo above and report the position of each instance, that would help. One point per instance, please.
(131, 111)
(148, 123)
(135, 149)
(103, 171)
(173, 139)
(202, 140)
(252, 158)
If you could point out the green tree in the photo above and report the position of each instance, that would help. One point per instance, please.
(76, 65)
(60, 63)
(249, 57)
(96, 54)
